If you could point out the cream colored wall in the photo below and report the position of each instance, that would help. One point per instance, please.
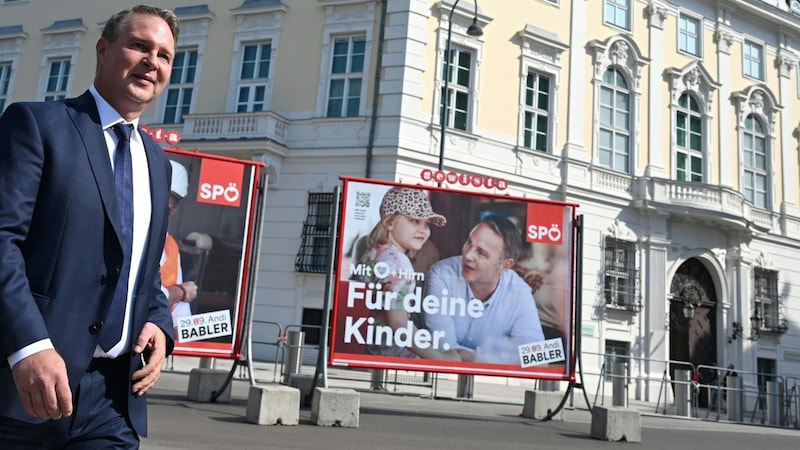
(501, 82)
(302, 27)
(27, 74)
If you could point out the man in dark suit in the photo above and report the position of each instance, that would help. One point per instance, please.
(66, 240)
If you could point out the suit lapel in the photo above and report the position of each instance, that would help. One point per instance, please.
(87, 122)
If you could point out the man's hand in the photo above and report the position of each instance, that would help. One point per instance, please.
(43, 385)
(152, 345)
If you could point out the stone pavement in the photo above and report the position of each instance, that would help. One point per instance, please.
(415, 419)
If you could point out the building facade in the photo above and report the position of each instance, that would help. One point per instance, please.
(675, 125)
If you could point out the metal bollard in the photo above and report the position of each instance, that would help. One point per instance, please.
(548, 385)
(465, 386)
(618, 397)
(207, 363)
(293, 358)
(734, 398)
(376, 380)
(797, 408)
(683, 393)
(774, 403)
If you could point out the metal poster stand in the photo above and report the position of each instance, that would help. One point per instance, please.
(252, 275)
(321, 372)
(576, 327)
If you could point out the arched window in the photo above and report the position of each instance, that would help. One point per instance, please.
(614, 137)
(689, 137)
(754, 152)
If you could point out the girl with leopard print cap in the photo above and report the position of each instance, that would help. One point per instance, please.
(404, 227)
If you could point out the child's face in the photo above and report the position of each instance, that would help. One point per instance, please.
(408, 234)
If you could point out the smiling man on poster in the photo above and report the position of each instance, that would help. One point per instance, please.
(508, 317)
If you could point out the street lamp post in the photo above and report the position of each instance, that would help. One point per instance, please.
(473, 30)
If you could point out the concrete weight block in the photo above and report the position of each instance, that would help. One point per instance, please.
(539, 404)
(273, 404)
(616, 424)
(333, 407)
(203, 383)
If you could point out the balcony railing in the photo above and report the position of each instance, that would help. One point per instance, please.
(234, 126)
(706, 201)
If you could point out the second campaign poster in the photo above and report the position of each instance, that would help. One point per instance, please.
(206, 252)
(453, 281)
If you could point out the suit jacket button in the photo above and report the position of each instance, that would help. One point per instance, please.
(96, 326)
(115, 272)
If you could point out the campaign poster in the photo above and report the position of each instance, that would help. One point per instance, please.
(207, 251)
(442, 280)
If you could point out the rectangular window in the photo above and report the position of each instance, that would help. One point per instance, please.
(620, 273)
(754, 154)
(618, 13)
(616, 352)
(57, 80)
(313, 254)
(458, 69)
(689, 35)
(689, 136)
(613, 138)
(5, 80)
(753, 60)
(347, 71)
(253, 77)
(537, 111)
(767, 301)
(181, 86)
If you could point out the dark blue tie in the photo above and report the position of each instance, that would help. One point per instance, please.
(123, 180)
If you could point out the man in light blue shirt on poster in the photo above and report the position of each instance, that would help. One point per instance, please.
(506, 317)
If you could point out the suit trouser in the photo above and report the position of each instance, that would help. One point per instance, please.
(98, 421)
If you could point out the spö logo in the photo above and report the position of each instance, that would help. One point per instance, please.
(545, 223)
(220, 183)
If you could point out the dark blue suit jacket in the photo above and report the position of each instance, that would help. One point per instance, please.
(59, 240)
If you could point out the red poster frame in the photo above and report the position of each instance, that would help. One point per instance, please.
(233, 237)
(463, 209)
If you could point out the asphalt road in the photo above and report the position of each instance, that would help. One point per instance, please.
(391, 421)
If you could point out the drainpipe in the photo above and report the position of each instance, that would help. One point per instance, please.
(376, 90)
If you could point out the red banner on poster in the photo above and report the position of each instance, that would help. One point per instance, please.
(450, 281)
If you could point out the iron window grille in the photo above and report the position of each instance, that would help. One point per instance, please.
(767, 302)
(313, 254)
(620, 288)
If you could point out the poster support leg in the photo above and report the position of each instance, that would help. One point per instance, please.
(247, 329)
(576, 326)
(321, 372)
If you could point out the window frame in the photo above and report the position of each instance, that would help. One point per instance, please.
(6, 75)
(183, 88)
(749, 61)
(254, 102)
(63, 79)
(313, 254)
(698, 36)
(617, 6)
(255, 25)
(532, 110)
(612, 127)
(348, 77)
(767, 302)
(691, 153)
(752, 136)
(620, 275)
(461, 17)
(458, 90)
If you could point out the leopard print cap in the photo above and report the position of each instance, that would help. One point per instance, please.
(413, 203)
